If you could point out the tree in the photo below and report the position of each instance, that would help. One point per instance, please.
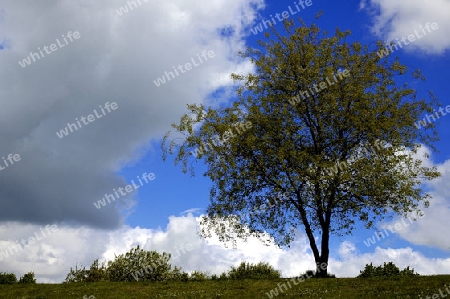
(7, 278)
(28, 278)
(96, 272)
(328, 145)
(77, 275)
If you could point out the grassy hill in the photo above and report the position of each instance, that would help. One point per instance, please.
(399, 287)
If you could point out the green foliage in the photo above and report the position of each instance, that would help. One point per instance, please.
(408, 272)
(198, 276)
(96, 273)
(28, 278)
(223, 276)
(7, 278)
(135, 265)
(340, 288)
(297, 143)
(385, 270)
(77, 275)
(178, 275)
(138, 264)
(254, 271)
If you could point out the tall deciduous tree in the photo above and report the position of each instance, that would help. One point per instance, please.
(313, 103)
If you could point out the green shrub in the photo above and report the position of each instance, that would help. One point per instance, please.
(140, 265)
(7, 278)
(223, 276)
(258, 271)
(386, 270)
(96, 273)
(135, 265)
(408, 272)
(198, 276)
(177, 275)
(77, 275)
(28, 278)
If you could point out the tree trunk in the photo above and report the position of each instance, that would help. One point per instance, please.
(321, 258)
(322, 261)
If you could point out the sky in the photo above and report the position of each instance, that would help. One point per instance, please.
(95, 65)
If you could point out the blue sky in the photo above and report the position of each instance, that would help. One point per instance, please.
(116, 59)
(173, 184)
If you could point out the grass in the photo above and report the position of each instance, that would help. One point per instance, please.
(401, 287)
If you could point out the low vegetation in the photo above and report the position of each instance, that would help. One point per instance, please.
(142, 265)
(149, 274)
(348, 288)
(10, 278)
(387, 270)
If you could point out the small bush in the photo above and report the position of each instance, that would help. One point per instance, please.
(223, 276)
(135, 265)
(198, 276)
(28, 278)
(408, 272)
(77, 275)
(177, 275)
(386, 270)
(96, 273)
(7, 278)
(258, 271)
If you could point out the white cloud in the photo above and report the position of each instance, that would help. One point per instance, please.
(397, 18)
(52, 257)
(430, 229)
(115, 59)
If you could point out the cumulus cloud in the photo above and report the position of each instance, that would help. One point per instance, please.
(430, 229)
(394, 19)
(115, 59)
(52, 257)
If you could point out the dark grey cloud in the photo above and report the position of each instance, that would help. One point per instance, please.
(114, 59)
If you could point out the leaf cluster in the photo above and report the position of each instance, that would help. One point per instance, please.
(386, 270)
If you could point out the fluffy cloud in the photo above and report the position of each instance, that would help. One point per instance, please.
(396, 18)
(115, 59)
(52, 256)
(429, 230)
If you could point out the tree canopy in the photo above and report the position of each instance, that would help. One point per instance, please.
(324, 122)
